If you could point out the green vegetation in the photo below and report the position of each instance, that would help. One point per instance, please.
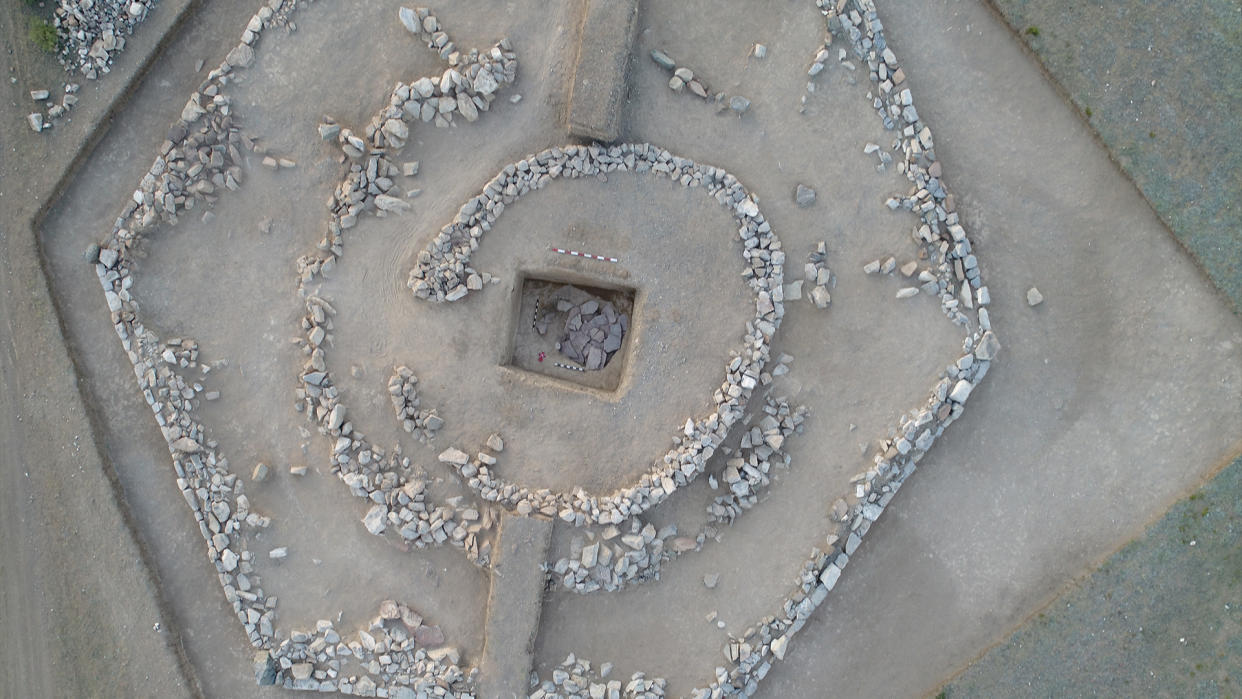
(43, 34)
(1032, 30)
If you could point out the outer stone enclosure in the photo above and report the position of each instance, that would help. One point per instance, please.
(704, 450)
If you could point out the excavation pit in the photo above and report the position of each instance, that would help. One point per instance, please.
(572, 329)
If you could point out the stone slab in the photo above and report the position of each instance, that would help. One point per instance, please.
(599, 88)
(514, 606)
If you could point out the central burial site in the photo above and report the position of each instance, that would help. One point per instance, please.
(456, 395)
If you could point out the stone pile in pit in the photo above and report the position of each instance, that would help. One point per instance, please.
(593, 330)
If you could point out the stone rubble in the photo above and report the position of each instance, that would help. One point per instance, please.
(395, 656)
(818, 277)
(442, 272)
(574, 678)
(1033, 297)
(685, 79)
(92, 32)
(201, 158)
(403, 389)
(612, 561)
(593, 331)
(946, 246)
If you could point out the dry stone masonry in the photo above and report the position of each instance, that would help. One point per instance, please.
(398, 654)
(442, 274)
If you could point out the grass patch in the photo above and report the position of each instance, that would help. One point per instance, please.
(43, 34)
(1088, 111)
(1032, 30)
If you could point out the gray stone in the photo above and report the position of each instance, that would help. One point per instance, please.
(385, 202)
(988, 347)
(710, 580)
(264, 668)
(108, 257)
(260, 472)
(820, 297)
(907, 292)
(804, 196)
(454, 456)
(778, 647)
(961, 391)
(1033, 297)
(495, 443)
(428, 636)
(739, 104)
(410, 21)
(242, 56)
(376, 519)
(35, 120)
(663, 60)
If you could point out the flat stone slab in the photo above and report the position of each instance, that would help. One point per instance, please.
(604, 47)
(514, 605)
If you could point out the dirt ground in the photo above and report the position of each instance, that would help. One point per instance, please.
(1059, 457)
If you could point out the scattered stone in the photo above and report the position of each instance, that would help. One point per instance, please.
(39, 95)
(299, 470)
(804, 196)
(278, 553)
(759, 51)
(871, 267)
(1033, 297)
(710, 580)
(35, 120)
(907, 292)
(909, 268)
(820, 297)
(739, 104)
(663, 60)
(495, 443)
(260, 472)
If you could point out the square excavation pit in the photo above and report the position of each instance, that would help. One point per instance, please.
(561, 321)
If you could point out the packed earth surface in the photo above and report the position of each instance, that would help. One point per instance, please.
(455, 351)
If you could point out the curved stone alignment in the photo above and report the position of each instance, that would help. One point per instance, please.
(200, 159)
(399, 497)
(399, 653)
(443, 273)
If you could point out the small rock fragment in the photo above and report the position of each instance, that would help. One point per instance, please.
(804, 196)
(1033, 297)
